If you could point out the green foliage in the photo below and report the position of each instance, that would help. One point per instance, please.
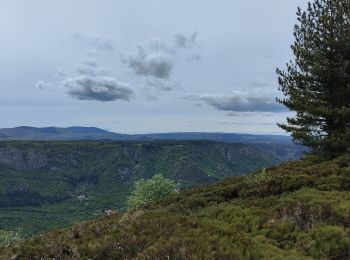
(257, 179)
(149, 191)
(41, 182)
(316, 83)
(331, 241)
(305, 217)
(9, 237)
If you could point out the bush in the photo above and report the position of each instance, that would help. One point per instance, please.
(330, 241)
(8, 237)
(257, 179)
(148, 191)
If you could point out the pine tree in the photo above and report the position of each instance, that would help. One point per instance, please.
(316, 84)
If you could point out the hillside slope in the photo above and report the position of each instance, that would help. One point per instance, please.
(299, 210)
(53, 184)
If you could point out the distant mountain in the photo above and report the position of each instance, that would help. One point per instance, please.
(84, 130)
(58, 133)
(93, 133)
(219, 137)
(279, 145)
(50, 184)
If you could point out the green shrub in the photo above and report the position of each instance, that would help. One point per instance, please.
(328, 241)
(9, 237)
(258, 178)
(148, 191)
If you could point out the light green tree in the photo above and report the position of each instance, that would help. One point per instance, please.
(257, 179)
(149, 191)
(8, 237)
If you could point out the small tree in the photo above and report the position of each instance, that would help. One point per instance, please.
(317, 83)
(9, 237)
(149, 191)
(257, 179)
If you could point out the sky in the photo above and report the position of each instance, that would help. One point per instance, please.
(145, 66)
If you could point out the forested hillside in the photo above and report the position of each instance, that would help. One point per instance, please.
(53, 184)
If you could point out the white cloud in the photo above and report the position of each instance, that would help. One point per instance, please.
(257, 98)
(241, 103)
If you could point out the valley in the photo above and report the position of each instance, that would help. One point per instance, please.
(48, 184)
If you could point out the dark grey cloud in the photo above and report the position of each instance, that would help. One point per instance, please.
(157, 58)
(184, 41)
(98, 88)
(96, 42)
(148, 63)
(90, 82)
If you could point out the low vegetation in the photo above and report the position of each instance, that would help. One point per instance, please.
(9, 237)
(258, 178)
(299, 210)
(149, 191)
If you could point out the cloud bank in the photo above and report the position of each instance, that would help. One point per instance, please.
(241, 103)
(257, 98)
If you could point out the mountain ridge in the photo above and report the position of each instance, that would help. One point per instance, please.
(279, 145)
(33, 133)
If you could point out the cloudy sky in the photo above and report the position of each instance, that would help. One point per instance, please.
(144, 66)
